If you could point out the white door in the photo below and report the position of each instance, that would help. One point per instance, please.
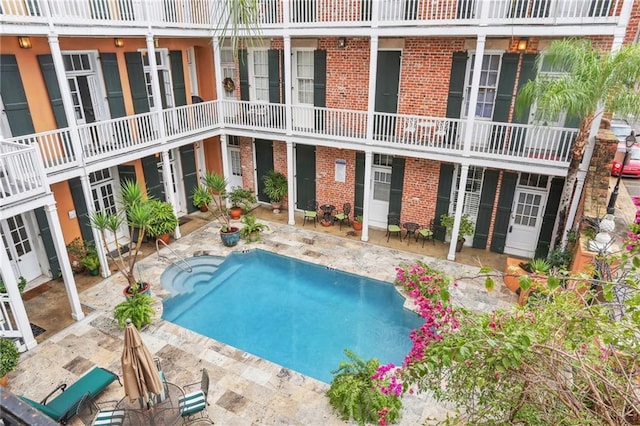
(525, 223)
(175, 170)
(380, 192)
(18, 239)
(104, 200)
(236, 167)
(302, 65)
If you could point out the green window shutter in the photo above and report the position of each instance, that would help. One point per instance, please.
(47, 241)
(549, 218)
(244, 74)
(305, 175)
(14, 98)
(274, 76)
(445, 181)
(456, 84)
(527, 73)
(155, 188)
(177, 76)
(137, 82)
(504, 98)
(127, 173)
(397, 183)
(53, 89)
(189, 173)
(112, 83)
(80, 206)
(489, 186)
(319, 86)
(503, 214)
(264, 163)
(358, 204)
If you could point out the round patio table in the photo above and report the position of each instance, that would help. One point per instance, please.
(327, 209)
(411, 228)
(165, 412)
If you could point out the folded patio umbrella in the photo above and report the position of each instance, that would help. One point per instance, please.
(139, 372)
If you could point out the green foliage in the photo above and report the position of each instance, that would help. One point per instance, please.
(251, 227)
(353, 394)
(22, 283)
(538, 266)
(275, 186)
(9, 356)
(216, 184)
(138, 308)
(242, 197)
(91, 261)
(163, 221)
(560, 259)
(201, 196)
(467, 227)
(359, 218)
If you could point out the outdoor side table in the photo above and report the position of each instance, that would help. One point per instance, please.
(166, 412)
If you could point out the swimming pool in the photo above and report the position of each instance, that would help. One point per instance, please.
(294, 313)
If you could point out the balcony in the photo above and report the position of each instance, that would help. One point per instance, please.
(274, 14)
(21, 173)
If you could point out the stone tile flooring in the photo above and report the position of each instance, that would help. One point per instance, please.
(244, 390)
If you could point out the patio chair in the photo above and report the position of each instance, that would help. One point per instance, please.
(311, 212)
(393, 225)
(343, 215)
(64, 406)
(102, 413)
(426, 233)
(193, 406)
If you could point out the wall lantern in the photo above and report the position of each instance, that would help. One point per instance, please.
(118, 42)
(24, 42)
(522, 44)
(156, 42)
(342, 42)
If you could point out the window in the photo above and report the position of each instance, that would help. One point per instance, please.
(164, 78)
(533, 181)
(473, 190)
(304, 76)
(547, 118)
(260, 75)
(382, 160)
(228, 70)
(381, 185)
(488, 85)
(102, 191)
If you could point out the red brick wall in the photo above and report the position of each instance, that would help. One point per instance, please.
(347, 73)
(420, 190)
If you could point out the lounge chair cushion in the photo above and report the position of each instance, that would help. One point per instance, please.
(43, 408)
(192, 403)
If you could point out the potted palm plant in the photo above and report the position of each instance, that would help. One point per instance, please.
(252, 228)
(217, 186)
(275, 187)
(241, 200)
(9, 357)
(357, 223)
(91, 261)
(163, 221)
(201, 198)
(467, 227)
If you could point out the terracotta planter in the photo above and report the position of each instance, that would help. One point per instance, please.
(235, 212)
(356, 225)
(204, 208)
(325, 223)
(512, 273)
(276, 206)
(143, 288)
(164, 237)
(4, 381)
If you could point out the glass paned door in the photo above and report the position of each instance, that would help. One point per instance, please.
(303, 89)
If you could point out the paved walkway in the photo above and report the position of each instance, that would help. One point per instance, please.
(245, 390)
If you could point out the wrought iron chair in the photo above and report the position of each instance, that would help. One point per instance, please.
(393, 225)
(344, 214)
(311, 212)
(426, 233)
(193, 406)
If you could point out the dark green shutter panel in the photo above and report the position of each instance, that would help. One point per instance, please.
(47, 241)
(549, 218)
(80, 206)
(177, 76)
(14, 98)
(358, 203)
(244, 74)
(155, 188)
(319, 86)
(504, 98)
(485, 209)
(445, 181)
(305, 175)
(456, 84)
(163, 90)
(53, 89)
(127, 173)
(189, 173)
(503, 214)
(264, 163)
(527, 73)
(274, 76)
(397, 184)
(112, 83)
(137, 82)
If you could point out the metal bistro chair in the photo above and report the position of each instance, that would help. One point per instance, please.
(311, 212)
(426, 233)
(344, 214)
(393, 225)
(193, 406)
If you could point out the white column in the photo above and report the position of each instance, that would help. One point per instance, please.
(167, 180)
(17, 305)
(368, 165)
(65, 94)
(217, 67)
(290, 177)
(224, 153)
(464, 172)
(473, 96)
(373, 67)
(287, 85)
(63, 259)
(97, 237)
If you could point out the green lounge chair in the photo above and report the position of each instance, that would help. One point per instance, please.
(64, 406)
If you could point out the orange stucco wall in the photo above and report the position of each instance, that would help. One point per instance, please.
(64, 204)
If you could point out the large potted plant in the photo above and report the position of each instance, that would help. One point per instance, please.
(357, 223)
(467, 228)
(217, 186)
(91, 261)
(201, 198)
(163, 221)
(241, 200)
(136, 213)
(252, 228)
(275, 187)
(138, 308)
(9, 357)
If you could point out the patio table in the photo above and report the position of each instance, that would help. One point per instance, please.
(165, 412)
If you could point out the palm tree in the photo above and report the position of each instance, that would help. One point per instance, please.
(593, 83)
(237, 15)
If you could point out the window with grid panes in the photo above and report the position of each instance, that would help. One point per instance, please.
(102, 191)
(304, 76)
(473, 189)
(488, 85)
(164, 76)
(261, 75)
(228, 70)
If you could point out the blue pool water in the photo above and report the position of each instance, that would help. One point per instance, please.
(294, 313)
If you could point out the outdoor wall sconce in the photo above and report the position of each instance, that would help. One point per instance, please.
(522, 44)
(24, 42)
(118, 42)
(342, 42)
(156, 43)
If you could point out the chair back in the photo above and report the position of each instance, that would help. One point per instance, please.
(312, 205)
(204, 383)
(346, 209)
(393, 219)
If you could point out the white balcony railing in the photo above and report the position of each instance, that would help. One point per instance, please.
(206, 14)
(8, 324)
(21, 173)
